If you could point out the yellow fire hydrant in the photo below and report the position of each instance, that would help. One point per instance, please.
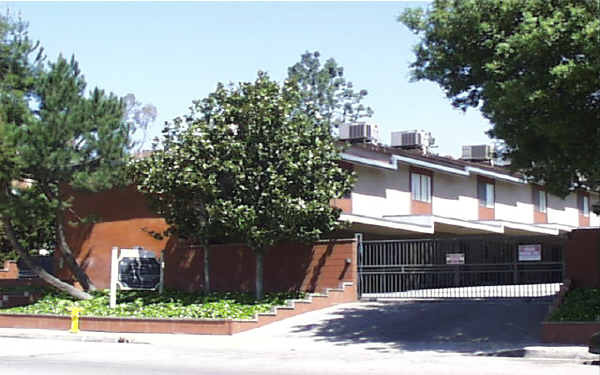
(75, 311)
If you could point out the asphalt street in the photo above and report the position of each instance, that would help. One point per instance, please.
(480, 337)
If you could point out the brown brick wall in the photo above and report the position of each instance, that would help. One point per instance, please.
(486, 213)
(286, 267)
(10, 271)
(574, 333)
(124, 220)
(540, 217)
(344, 204)
(583, 258)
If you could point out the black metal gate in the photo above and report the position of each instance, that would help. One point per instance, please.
(462, 267)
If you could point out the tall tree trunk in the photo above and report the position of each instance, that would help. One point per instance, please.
(259, 274)
(67, 255)
(48, 278)
(206, 268)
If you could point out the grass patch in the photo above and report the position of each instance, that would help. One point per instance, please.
(150, 304)
(581, 304)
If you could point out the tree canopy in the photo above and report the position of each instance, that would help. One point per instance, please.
(52, 134)
(251, 163)
(325, 88)
(532, 67)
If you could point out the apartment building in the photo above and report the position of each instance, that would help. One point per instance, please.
(412, 193)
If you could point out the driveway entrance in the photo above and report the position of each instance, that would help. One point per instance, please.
(461, 267)
(442, 326)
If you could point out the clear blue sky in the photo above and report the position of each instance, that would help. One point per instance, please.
(169, 54)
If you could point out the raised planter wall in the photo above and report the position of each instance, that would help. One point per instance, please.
(347, 293)
(582, 259)
(576, 333)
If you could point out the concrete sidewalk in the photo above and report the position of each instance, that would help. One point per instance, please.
(358, 328)
(575, 354)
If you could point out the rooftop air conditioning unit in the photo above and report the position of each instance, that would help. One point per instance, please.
(413, 139)
(477, 153)
(359, 132)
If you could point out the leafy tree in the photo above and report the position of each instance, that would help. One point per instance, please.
(533, 69)
(52, 135)
(139, 117)
(178, 181)
(251, 163)
(325, 89)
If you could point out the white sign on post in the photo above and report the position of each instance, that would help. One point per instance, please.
(530, 253)
(135, 269)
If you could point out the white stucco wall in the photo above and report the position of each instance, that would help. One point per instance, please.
(455, 196)
(513, 202)
(563, 211)
(594, 219)
(380, 192)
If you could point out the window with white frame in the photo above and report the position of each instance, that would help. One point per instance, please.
(420, 187)
(486, 194)
(585, 204)
(541, 201)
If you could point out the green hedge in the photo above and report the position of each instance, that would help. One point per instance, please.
(150, 304)
(579, 305)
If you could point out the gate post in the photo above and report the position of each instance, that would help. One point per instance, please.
(359, 249)
(515, 267)
(457, 275)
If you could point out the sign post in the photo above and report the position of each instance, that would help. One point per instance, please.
(135, 268)
(114, 268)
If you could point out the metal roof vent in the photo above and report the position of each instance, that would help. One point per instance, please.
(413, 140)
(361, 132)
(479, 153)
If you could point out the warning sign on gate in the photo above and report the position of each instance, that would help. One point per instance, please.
(455, 258)
(530, 252)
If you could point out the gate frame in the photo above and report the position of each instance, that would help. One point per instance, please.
(513, 264)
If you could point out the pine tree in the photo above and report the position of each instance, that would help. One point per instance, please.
(52, 135)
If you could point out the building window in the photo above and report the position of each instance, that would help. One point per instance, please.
(420, 187)
(485, 191)
(584, 204)
(541, 201)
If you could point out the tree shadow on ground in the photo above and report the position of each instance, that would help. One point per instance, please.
(503, 327)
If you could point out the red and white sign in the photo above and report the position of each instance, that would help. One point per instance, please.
(530, 253)
(455, 258)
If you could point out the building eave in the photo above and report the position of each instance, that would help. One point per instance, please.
(431, 224)
(395, 159)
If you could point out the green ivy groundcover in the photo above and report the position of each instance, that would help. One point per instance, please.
(151, 304)
(579, 305)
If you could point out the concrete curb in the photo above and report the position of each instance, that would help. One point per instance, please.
(544, 352)
(38, 334)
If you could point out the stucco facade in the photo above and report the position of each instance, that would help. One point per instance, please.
(460, 197)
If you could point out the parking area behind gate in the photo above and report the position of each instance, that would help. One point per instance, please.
(461, 267)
